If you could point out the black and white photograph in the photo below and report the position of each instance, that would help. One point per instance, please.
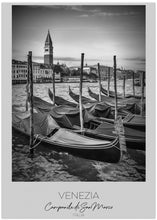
(78, 110)
(78, 93)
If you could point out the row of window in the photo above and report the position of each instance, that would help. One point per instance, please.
(20, 66)
(25, 77)
(35, 72)
(20, 76)
(20, 71)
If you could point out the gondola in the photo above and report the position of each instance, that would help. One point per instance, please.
(136, 122)
(111, 100)
(130, 120)
(75, 97)
(98, 109)
(68, 117)
(60, 101)
(89, 104)
(47, 131)
(108, 100)
(125, 105)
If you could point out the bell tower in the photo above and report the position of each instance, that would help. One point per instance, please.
(48, 50)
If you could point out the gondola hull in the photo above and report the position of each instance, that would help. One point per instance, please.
(64, 140)
(132, 143)
(134, 139)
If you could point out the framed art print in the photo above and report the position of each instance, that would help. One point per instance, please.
(78, 110)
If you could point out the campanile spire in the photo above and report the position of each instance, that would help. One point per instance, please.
(48, 50)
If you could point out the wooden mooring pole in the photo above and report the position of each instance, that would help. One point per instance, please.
(31, 103)
(142, 76)
(99, 82)
(54, 90)
(80, 96)
(108, 80)
(28, 83)
(133, 83)
(124, 86)
(115, 84)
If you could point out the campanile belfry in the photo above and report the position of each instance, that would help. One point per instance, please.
(48, 50)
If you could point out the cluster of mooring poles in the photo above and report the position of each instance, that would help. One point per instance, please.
(142, 83)
(29, 89)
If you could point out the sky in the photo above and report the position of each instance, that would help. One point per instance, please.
(98, 31)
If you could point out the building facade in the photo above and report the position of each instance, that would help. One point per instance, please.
(86, 69)
(42, 73)
(19, 71)
(89, 70)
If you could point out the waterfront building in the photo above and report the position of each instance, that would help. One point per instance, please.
(19, 71)
(74, 68)
(89, 70)
(73, 79)
(104, 71)
(41, 72)
(45, 73)
(37, 75)
(86, 69)
(58, 72)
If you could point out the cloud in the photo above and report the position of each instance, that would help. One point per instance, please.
(84, 9)
(66, 58)
(88, 10)
(71, 59)
(136, 59)
(83, 16)
(127, 13)
(58, 58)
(76, 8)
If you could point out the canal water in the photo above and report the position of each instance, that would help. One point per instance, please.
(49, 165)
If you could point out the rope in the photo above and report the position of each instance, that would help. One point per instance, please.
(38, 142)
(117, 148)
(36, 138)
